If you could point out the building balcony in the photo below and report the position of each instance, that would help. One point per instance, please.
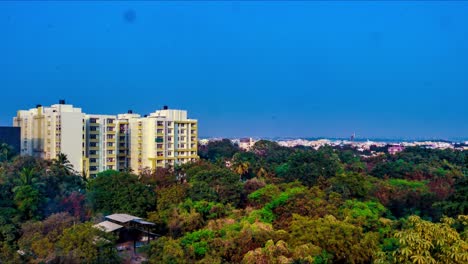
(111, 132)
(110, 147)
(93, 148)
(94, 132)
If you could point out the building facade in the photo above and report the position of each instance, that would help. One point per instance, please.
(94, 143)
(164, 138)
(48, 131)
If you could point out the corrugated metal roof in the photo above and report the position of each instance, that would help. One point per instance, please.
(108, 226)
(122, 218)
(143, 222)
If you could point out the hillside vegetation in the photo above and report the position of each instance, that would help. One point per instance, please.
(269, 205)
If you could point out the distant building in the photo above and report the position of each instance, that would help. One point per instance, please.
(246, 143)
(392, 150)
(12, 137)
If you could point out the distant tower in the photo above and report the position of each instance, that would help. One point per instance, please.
(353, 136)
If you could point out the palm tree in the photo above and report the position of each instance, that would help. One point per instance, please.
(262, 173)
(29, 177)
(241, 167)
(62, 163)
(26, 176)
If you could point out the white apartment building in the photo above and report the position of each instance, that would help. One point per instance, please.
(48, 131)
(94, 143)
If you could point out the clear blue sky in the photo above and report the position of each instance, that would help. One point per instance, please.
(302, 69)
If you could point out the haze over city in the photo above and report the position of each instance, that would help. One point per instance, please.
(277, 69)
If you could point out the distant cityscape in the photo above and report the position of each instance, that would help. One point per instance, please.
(360, 145)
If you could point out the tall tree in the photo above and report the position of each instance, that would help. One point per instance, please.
(63, 165)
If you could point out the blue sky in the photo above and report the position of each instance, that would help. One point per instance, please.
(299, 69)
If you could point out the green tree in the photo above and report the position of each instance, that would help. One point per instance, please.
(309, 166)
(28, 201)
(424, 242)
(351, 185)
(457, 202)
(220, 149)
(63, 165)
(6, 152)
(120, 192)
(219, 185)
(83, 243)
(346, 242)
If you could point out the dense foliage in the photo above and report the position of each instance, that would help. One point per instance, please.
(269, 205)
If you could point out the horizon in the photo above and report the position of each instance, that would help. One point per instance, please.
(246, 69)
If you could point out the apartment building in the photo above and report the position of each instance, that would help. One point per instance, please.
(48, 131)
(161, 139)
(94, 143)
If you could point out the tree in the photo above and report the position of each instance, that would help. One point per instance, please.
(309, 166)
(351, 185)
(6, 152)
(120, 192)
(166, 250)
(220, 149)
(241, 167)
(84, 243)
(8, 255)
(28, 201)
(424, 242)
(27, 176)
(219, 185)
(39, 238)
(457, 203)
(346, 242)
(62, 164)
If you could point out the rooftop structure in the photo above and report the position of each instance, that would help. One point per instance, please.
(108, 226)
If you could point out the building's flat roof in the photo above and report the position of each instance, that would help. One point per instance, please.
(108, 226)
(122, 218)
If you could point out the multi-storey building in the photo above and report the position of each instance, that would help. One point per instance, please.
(48, 131)
(94, 143)
(163, 138)
(102, 140)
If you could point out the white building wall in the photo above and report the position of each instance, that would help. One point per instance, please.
(72, 138)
